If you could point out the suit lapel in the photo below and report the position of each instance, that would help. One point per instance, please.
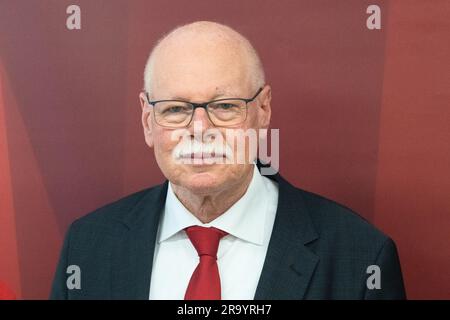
(289, 263)
(132, 257)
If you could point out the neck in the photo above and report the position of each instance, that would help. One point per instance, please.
(208, 207)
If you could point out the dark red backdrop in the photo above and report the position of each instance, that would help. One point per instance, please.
(364, 117)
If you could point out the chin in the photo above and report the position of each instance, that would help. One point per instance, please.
(202, 182)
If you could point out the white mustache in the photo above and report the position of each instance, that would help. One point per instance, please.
(194, 149)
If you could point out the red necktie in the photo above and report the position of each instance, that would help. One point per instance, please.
(205, 281)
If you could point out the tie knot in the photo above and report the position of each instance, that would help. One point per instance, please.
(205, 240)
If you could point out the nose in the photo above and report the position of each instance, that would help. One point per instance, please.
(201, 119)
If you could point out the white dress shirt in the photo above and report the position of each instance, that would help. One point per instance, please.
(241, 253)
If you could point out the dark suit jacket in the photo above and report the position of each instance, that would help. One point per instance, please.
(318, 250)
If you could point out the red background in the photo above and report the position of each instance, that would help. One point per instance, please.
(363, 114)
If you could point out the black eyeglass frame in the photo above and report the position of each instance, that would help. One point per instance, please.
(203, 105)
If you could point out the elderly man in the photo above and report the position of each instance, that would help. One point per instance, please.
(218, 229)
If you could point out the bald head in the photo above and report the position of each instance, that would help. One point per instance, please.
(201, 51)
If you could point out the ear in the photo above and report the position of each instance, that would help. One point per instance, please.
(265, 110)
(146, 118)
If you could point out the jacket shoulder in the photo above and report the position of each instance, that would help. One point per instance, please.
(115, 214)
(332, 219)
(346, 246)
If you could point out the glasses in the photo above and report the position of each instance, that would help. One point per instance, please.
(222, 112)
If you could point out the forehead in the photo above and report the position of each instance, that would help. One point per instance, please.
(186, 68)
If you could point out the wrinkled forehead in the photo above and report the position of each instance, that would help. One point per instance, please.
(193, 66)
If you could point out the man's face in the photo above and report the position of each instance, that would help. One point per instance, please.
(192, 73)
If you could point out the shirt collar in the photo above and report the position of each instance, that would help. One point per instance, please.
(245, 219)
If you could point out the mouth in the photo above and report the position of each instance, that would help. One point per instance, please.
(203, 158)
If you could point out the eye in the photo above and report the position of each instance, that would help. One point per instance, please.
(224, 106)
(174, 109)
